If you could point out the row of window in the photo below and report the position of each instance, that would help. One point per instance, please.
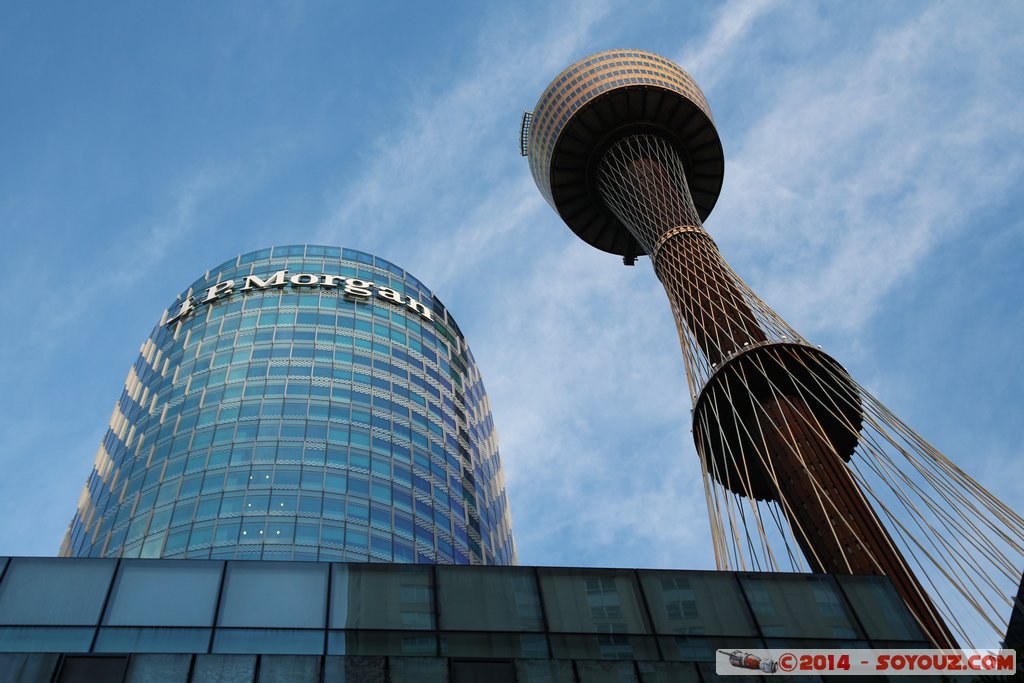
(430, 492)
(345, 408)
(52, 591)
(343, 372)
(313, 456)
(217, 668)
(334, 430)
(618, 70)
(287, 501)
(356, 506)
(263, 538)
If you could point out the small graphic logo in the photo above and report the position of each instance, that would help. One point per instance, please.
(745, 660)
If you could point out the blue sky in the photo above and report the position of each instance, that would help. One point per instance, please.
(874, 165)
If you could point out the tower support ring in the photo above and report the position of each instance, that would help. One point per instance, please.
(745, 384)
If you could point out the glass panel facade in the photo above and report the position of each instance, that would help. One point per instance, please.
(592, 601)
(152, 640)
(464, 671)
(268, 641)
(351, 669)
(491, 644)
(606, 672)
(603, 646)
(29, 668)
(702, 649)
(224, 669)
(875, 603)
(45, 638)
(412, 643)
(544, 672)
(798, 606)
(380, 623)
(506, 599)
(274, 594)
(37, 590)
(92, 669)
(417, 670)
(696, 603)
(165, 593)
(667, 672)
(159, 669)
(300, 403)
(289, 669)
(382, 597)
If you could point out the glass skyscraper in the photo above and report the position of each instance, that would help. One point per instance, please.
(300, 403)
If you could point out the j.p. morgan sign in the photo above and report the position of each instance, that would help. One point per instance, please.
(353, 288)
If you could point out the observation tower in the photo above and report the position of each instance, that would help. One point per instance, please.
(802, 468)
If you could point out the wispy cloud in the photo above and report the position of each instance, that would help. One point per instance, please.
(714, 56)
(864, 162)
(423, 185)
(116, 266)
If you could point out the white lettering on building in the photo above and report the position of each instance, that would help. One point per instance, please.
(353, 288)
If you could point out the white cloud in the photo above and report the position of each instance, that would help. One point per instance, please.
(711, 59)
(862, 162)
(116, 266)
(458, 147)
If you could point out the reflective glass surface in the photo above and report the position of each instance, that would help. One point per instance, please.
(158, 669)
(78, 669)
(799, 606)
(289, 669)
(349, 669)
(165, 593)
(592, 601)
(152, 640)
(382, 597)
(345, 620)
(29, 668)
(37, 590)
(667, 672)
(274, 594)
(697, 603)
(224, 669)
(306, 403)
(605, 672)
(557, 671)
(505, 599)
(417, 670)
(876, 604)
(45, 638)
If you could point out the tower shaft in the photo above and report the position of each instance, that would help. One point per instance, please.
(782, 430)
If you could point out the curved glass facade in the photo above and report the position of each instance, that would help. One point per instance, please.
(306, 403)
